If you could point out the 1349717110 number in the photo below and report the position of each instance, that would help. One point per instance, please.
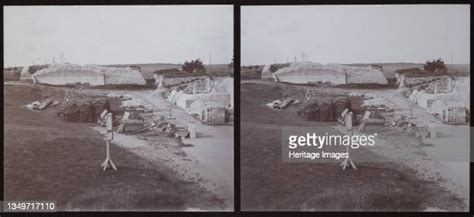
(29, 206)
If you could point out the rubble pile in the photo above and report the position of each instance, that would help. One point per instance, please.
(208, 99)
(452, 106)
(402, 123)
(377, 103)
(41, 105)
(139, 117)
(281, 104)
(161, 126)
(130, 102)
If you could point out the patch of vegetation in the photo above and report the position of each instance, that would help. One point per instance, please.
(435, 66)
(194, 66)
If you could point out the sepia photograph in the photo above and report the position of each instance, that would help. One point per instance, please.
(119, 108)
(355, 108)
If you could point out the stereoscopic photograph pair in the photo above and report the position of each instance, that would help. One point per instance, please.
(336, 108)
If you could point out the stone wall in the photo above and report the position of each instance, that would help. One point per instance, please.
(411, 81)
(168, 82)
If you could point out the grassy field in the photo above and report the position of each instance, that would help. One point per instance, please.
(268, 183)
(47, 159)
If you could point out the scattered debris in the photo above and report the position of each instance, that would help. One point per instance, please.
(45, 104)
(366, 120)
(402, 123)
(274, 103)
(131, 102)
(55, 103)
(34, 106)
(127, 123)
(279, 104)
(378, 103)
(137, 104)
(284, 103)
(38, 105)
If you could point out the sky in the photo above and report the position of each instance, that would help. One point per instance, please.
(117, 34)
(355, 34)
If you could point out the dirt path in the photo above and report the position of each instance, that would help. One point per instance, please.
(213, 149)
(444, 160)
(451, 149)
(207, 159)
